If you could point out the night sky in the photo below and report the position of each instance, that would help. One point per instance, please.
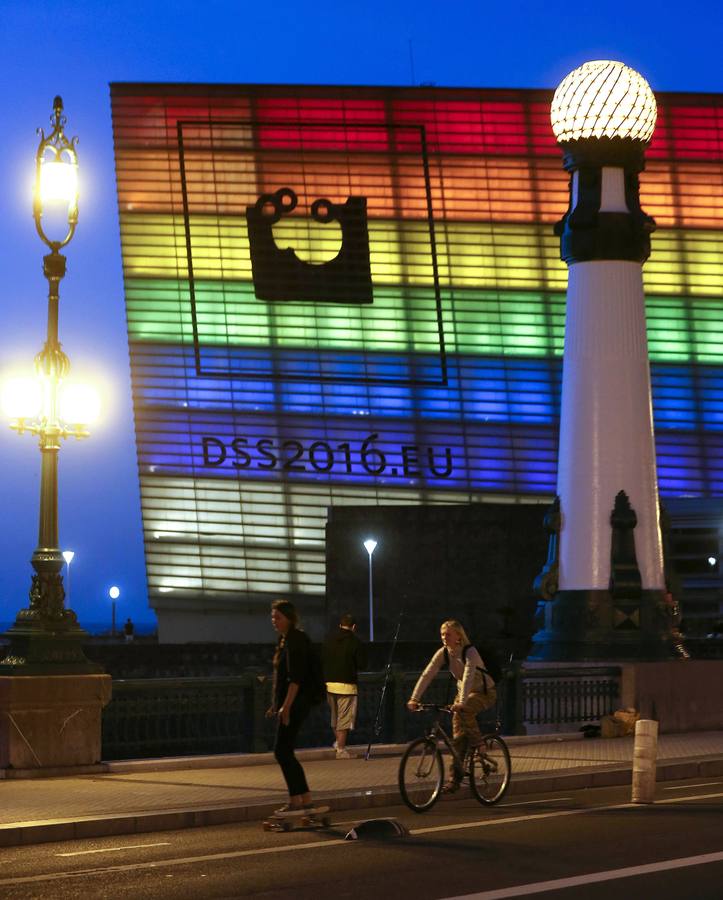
(76, 49)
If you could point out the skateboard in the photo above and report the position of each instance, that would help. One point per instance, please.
(318, 817)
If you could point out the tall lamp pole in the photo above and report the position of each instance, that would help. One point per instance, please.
(46, 638)
(114, 594)
(370, 546)
(68, 556)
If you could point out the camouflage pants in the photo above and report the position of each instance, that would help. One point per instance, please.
(465, 730)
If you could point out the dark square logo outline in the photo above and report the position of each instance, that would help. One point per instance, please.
(254, 125)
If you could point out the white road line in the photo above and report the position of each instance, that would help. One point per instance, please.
(532, 802)
(685, 787)
(166, 863)
(329, 842)
(540, 887)
(555, 814)
(116, 849)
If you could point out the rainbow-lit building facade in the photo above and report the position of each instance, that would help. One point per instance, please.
(408, 350)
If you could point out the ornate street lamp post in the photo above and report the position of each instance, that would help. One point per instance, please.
(46, 638)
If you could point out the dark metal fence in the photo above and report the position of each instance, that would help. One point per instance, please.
(570, 696)
(187, 716)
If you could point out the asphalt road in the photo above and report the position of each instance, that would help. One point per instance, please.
(583, 844)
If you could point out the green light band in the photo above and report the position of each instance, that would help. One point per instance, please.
(680, 329)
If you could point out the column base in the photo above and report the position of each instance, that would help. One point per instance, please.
(39, 645)
(592, 625)
(51, 722)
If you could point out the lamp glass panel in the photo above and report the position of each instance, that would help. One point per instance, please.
(79, 404)
(58, 182)
(21, 398)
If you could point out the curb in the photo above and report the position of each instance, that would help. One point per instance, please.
(227, 760)
(29, 833)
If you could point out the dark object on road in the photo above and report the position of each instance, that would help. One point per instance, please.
(376, 829)
(590, 731)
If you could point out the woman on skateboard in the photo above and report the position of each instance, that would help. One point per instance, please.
(291, 701)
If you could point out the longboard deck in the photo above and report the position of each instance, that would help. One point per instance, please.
(318, 817)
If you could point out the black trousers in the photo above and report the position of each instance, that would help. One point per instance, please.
(286, 736)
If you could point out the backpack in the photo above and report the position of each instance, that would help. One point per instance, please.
(314, 685)
(317, 685)
(493, 669)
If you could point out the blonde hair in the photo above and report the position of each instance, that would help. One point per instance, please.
(459, 628)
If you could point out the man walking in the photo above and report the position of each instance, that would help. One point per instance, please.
(343, 656)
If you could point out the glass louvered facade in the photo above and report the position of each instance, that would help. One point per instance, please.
(407, 349)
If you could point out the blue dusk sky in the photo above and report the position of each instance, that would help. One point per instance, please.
(76, 49)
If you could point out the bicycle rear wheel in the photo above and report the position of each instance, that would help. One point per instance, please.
(490, 770)
(420, 774)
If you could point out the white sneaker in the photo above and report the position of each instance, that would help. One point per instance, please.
(335, 746)
(343, 754)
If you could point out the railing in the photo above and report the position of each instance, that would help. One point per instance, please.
(571, 696)
(187, 716)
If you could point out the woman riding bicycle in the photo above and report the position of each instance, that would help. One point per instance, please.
(475, 691)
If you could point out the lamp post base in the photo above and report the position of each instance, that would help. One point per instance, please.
(593, 626)
(42, 646)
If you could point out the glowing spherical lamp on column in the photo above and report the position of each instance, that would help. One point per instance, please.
(605, 579)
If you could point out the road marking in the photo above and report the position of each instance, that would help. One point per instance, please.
(116, 849)
(684, 787)
(166, 863)
(540, 887)
(328, 842)
(555, 814)
(531, 802)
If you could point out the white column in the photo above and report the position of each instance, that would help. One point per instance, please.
(606, 428)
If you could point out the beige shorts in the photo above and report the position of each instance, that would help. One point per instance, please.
(343, 711)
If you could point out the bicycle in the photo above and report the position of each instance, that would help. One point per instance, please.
(421, 769)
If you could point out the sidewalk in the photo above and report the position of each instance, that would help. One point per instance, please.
(164, 794)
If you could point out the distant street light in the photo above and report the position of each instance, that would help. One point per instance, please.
(114, 594)
(68, 557)
(370, 546)
(46, 638)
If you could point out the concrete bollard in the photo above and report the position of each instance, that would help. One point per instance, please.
(644, 759)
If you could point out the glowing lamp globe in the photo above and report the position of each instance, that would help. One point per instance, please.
(603, 99)
(21, 398)
(79, 404)
(58, 182)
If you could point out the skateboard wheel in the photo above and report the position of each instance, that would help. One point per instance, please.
(267, 826)
(286, 826)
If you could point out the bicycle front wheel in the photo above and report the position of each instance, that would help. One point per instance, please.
(420, 774)
(490, 770)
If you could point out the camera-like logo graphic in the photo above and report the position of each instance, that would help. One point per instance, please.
(279, 275)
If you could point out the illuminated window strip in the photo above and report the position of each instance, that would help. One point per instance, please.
(480, 255)
(275, 531)
(504, 190)
(521, 391)
(279, 525)
(494, 121)
(492, 323)
(267, 548)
